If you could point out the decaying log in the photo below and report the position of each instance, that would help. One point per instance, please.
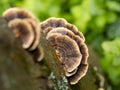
(18, 71)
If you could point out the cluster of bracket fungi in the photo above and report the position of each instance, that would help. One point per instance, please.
(26, 29)
(64, 37)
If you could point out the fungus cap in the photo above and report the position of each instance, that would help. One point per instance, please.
(67, 49)
(60, 22)
(81, 72)
(69, 45)
(23, 31)
(13, 13)
(53, 23)
(36, 30)
(68, 74)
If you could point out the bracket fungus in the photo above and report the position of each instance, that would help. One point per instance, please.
(65, 38)
(25, 28)
(69, 45)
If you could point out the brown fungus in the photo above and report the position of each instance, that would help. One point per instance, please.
(53, 23)
(68, 74)
(82, 68)
(25, 27)
(81, 72)
(67, 50)
(13, 13)
(27, 31)
(60, 22)
(59, 33)
(22, 31)
(65, 31)
(74, 29)
(22, 14)
(36, 30)
(82, 46)
(85, 54)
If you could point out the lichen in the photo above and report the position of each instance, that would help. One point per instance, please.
(59, 84)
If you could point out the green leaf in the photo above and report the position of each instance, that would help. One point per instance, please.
(82, 17)
(112, 46)
(114, 30)
(113, 5)
(111, 60)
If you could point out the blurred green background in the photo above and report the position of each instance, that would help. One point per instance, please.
(98, 20)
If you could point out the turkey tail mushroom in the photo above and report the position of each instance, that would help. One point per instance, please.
(67, 49)
(25, 28)
(69, 45)
(26, 18)
(60, 22)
